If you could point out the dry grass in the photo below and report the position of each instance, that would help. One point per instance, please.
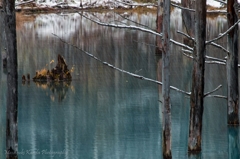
(43, 72)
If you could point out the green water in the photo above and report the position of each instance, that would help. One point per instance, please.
(103, 113)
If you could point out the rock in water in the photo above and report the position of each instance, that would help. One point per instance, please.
(58, 73)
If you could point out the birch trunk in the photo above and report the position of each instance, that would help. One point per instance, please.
(232, 64)
(197, 92)
(166, 84)
(12, 92)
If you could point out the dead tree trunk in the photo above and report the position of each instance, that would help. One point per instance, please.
(159, 22)
(197, 92)
(12, 92)
(166, 81)
(232, 64)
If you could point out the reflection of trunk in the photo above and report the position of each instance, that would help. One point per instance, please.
(12, 106)
(159, 26)
(232, 64)
(165, 79)
(197, 92)
(233, 142)
(188, 16)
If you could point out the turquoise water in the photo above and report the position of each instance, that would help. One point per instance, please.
(103, 113)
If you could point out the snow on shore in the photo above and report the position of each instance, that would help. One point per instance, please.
(93, 3)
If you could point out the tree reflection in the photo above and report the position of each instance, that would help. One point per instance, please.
(58, 89)
(233, 141)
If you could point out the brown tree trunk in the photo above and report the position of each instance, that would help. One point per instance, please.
(159, 22)
(166, 81)
(12, 92)
(232, 64)
(197, 92)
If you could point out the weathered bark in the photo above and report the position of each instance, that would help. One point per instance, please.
(166, 81)
(197, 92)
(12, 83)
(159, 22)
(232, 64)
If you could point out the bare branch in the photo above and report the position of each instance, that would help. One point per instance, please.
(223, 34)
(136, 28)
(122, 26)
(215, 62)
(217, 96)
(132, 21)
(192, 10)
(187, 51)
(184, 34)
(183, 8)
(220, 47)
(221, 1)
(121, 70)
(181, 44)
(208, 93)
(26, 2)
(138, 5)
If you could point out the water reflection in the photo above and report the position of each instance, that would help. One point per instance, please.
(104, 113)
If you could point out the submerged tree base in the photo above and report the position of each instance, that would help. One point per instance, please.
(59, 73)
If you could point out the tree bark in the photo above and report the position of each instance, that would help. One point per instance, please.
(197, 92)
(232, 64)
(12, 82)
(166, 83)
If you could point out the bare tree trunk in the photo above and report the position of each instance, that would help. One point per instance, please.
(159, 22)
(197, 92)
(232, 64)
(12, 98)
(166, 81)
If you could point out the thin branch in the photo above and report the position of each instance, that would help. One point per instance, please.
(181, 44)
(136, 28)
(183, 8)
(187, 51)
(223, 34)
(132, 20)
(184, 34)
(122, 26)
(21, 3)
(221, 1)
(138, 5)
(220, 47)
(121, 70)
(208, 93)
(193, 10)
(217, 96)
(215, 62)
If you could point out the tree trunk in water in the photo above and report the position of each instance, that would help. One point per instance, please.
(232, 64)
(197, 92)
(12, 94)
(159, 22)
(165, 79)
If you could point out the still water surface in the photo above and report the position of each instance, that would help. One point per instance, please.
(103, 113)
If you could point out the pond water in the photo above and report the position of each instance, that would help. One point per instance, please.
(103, 113)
